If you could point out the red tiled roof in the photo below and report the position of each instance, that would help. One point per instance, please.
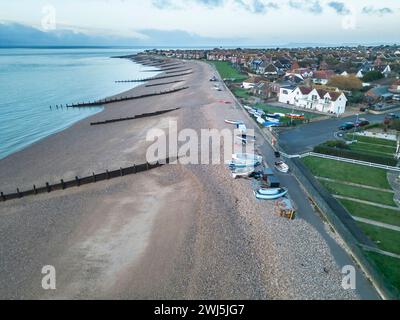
(305, 90)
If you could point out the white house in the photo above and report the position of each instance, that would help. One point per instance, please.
(314, 99)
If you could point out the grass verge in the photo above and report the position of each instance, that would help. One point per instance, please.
(371, 212)
(389, 267)
(387, 240)
(349, 172)
(340, 189)
(226, 71)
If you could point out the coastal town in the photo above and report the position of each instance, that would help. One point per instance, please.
(317, 79)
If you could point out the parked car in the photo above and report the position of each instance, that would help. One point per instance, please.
(362, 123)
(347, 126)
(392, 116)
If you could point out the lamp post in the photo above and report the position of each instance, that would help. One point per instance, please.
(355, 128)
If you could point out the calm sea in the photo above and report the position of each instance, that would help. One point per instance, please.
(33, 79)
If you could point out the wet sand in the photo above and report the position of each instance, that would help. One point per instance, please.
(177, 232)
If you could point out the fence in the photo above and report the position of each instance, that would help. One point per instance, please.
(80, 181)
(113, 100)
(363, 163)
(140, 116)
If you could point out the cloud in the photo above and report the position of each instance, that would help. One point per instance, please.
(339, 7)
(164, 4)
(376, 11)
(210, 3)
(313, 6)
(257, 6)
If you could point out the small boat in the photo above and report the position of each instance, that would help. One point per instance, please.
(248, 108)
(260, 120)
(295, 116)
(246, 139)
(270, 194)
(268, 124)
(234, 122)
(241, 164)
(282, 167)
(247, 157)
(269, 119)
(242, 172)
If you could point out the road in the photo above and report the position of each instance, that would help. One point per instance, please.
(305, 137)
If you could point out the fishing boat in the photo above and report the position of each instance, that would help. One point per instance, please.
(242, 172)
(247, 157)
(234, 122)
(282, 167)
(270, 194)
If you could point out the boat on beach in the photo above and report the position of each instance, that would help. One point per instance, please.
(242, 164)
(270, 194)
(247, 157)
(234, 122)
(282, 167)
(242, 172)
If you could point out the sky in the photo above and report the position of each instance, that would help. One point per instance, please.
(212, 22)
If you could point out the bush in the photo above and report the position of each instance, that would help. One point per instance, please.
(356, 97)
(356, 155)
(337, 144)
(372, 76)
(350, 82)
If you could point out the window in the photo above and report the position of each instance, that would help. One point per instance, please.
(285, 92)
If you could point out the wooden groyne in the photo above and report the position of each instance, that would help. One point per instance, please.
(163, 83)
(81, 181)
(154, 78)
(184, 70)
(166, 69)
(140, 116)
(118, 99)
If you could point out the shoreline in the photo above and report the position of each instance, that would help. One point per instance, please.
(100, 107)
(189, 232)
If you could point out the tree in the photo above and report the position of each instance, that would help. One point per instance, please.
(372, 76)
(350, 83)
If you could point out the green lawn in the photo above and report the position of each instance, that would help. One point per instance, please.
(226, 71)
(388, 266)
(340, 189)
(389, 240)
(373, 149)
(379, 141)
(347, 172)
(241, 93)
(371, 212)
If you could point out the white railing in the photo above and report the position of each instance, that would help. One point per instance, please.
(363, 163)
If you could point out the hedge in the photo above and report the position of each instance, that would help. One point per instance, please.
(356, 155)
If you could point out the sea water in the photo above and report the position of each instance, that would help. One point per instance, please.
(32, 80)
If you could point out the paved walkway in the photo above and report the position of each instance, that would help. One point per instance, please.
(377, 223)
(367, 202)
(354, 184)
